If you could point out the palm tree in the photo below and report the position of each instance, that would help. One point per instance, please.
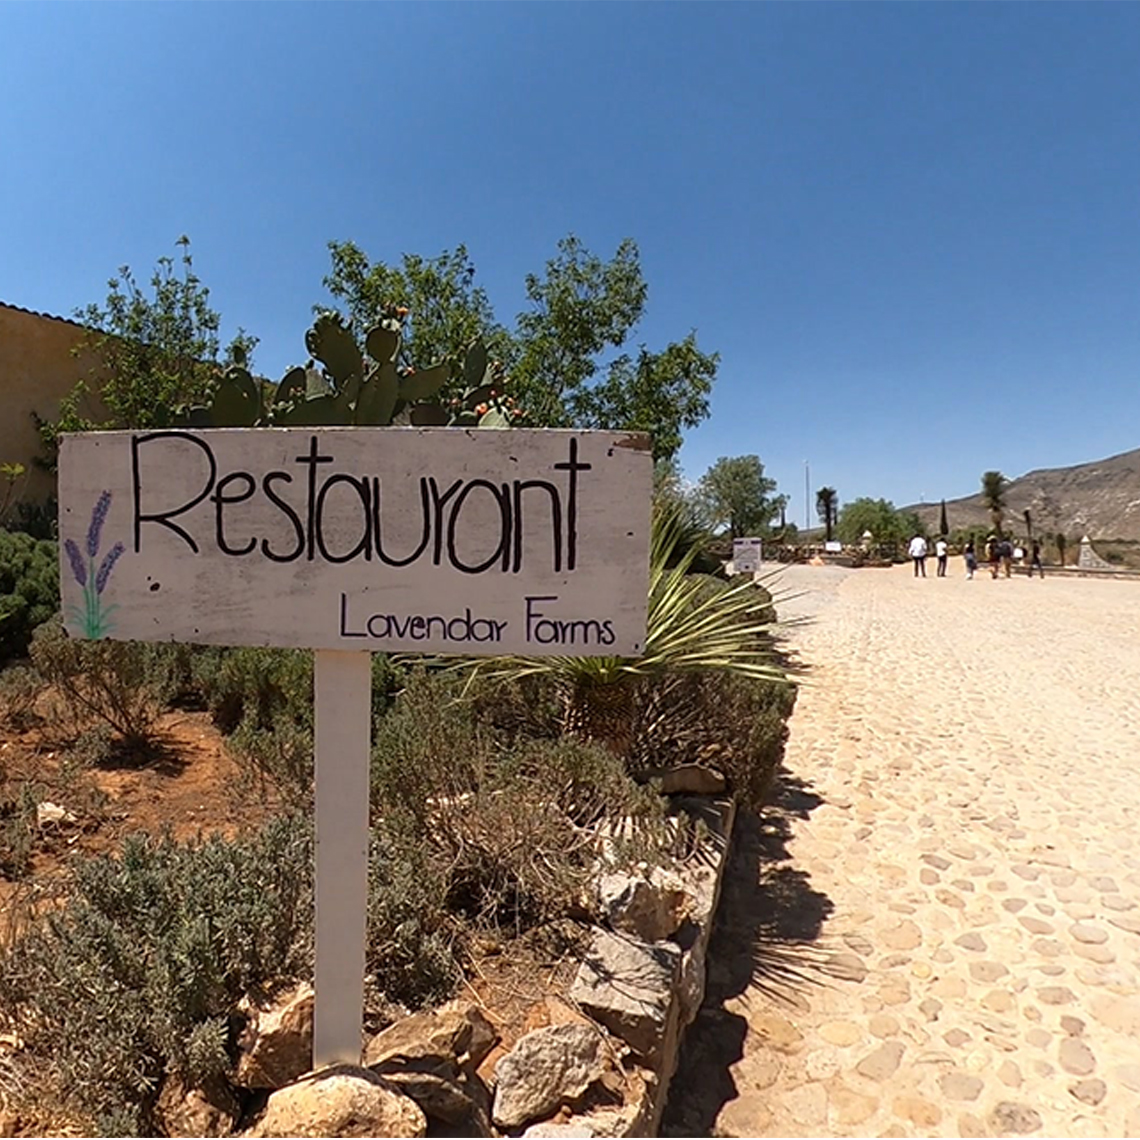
(1028, 526)
(826, 500)
(694, 623)
(994, 485)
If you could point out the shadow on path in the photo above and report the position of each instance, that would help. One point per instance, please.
(768, 925)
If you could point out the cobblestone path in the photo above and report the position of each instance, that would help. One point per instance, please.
(936, 928)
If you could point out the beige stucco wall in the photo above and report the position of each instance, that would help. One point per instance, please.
(37, 369)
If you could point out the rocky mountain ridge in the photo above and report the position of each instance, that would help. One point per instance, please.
(1100, 499)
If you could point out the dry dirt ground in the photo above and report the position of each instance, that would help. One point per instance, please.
(935, 928)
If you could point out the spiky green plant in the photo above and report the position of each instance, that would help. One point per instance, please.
(994, 485)
(694, 624)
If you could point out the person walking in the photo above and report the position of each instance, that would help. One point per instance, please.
(1007, 556)
(917, 551)
(971, 559)
(940, 552)
(1035, 560)
(993, 555)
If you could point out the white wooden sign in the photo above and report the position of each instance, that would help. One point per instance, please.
(746, 555)
(349, 540)
(434, 539)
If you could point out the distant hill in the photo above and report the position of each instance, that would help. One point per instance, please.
(1100, 499)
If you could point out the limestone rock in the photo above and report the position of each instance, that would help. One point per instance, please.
(209, 1111)
(462, 1101)
(340, 1101)
(545, 1069)
(456, 1034)
(687, 780)
(627, 985)
(277, 1045)
(607, 1122)
(651, 907)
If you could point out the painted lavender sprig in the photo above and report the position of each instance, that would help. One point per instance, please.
(94, 618)
(98, 518)
(113, 556)
(78, 568)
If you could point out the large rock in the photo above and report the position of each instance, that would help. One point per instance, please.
(277, 1044)
(544, 1070)
(209, 1111)
(605, 1122)
(627, 985)
(340, 1101)
(649, 906)
(455, 1035)
(461, 1101)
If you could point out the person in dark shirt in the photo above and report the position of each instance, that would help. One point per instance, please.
(1035, 560)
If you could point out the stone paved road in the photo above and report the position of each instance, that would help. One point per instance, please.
(936, 929)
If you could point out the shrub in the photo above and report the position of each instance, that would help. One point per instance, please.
(20, 688)
(18, 831)
(123, 684)
(137, 974)
(29, 589)
(264, 698)
(734, 723)
(508, 826)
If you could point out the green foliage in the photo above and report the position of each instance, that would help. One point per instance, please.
(503, 822)
(20, 688)
(153, 352)
(12, 477)
(18, 830)
(125, 685)
(264, 698)
(887, 525)
(994, 485)
(735, 495)
(581, 308)
(827, 507)
(445, 310)
(694, 624)
(736, 724)
(29, 589)
(135, 976)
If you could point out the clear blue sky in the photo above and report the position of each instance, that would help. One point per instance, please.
(911, 231)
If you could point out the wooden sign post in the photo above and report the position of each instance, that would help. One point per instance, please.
(350, 541)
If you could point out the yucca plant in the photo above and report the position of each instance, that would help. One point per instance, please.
(694, 623)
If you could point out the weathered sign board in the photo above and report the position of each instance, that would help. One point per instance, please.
(746, 555)
(348, 541)
(433, 540)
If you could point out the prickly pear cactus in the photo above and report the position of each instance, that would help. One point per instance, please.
(341, 385)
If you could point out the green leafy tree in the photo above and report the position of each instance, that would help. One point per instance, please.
(827, 507)
(156, 349)
(887, 525)
(581, 308)
(441, 307)
(994, 485)
(734, 494)
(943, 524)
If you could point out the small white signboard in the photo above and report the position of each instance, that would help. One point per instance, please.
(746, 555)
(432, 540)
(349, 540)
(833, 547)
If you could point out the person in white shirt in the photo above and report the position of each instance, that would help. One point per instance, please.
(940, 550)
(917, 551)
